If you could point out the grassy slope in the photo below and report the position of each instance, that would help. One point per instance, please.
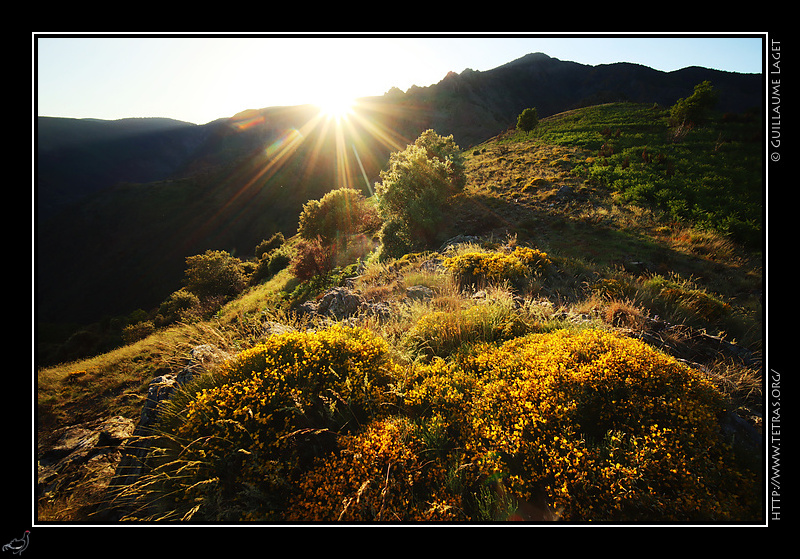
(551, 189)
(516, 186)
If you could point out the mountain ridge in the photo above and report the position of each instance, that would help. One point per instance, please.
(108, 208)
(61, 141)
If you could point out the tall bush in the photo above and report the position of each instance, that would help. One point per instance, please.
(215, 273)
(338, 214)
(313, 258)
(179, 306)
(268, 245)
(414, 190)
(527, 120)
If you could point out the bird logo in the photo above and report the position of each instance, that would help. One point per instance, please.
(18, 545)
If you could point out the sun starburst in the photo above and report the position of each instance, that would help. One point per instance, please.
(336, 106)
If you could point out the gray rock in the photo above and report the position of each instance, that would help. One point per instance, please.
(340, 303)
(419, 293)
(433, 266)
(564, 191)
(272, 328)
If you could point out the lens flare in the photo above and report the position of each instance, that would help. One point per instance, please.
(336, 106)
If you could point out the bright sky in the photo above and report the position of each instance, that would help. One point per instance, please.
(200, 79)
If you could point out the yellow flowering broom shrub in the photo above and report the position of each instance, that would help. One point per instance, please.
(325, 427)
(496, 267)
(383, 474)
(607, 427)
(276, 406)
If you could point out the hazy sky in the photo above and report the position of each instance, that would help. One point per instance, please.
(199, 79)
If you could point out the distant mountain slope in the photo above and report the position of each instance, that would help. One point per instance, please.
(121, 204)
(474, 106)
(78, 157)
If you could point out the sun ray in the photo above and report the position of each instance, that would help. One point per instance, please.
(344, 137)
(387, 137)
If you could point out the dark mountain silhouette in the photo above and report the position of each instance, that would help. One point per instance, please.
(121, 204)
(474, 106)
(78, 157)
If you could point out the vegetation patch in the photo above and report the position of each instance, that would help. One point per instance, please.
(325, 426)
(609, 428)
(707, 173)
(442, 333)
(265, 413)
(481, 268)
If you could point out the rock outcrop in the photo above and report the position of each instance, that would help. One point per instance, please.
(161, 388)
(99, 458)
(341, 303)
(82, 457)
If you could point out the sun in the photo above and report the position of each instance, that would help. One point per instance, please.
(336, 106)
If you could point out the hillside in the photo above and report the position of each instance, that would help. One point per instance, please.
(121, 204)
(76, 158)
(614, 287)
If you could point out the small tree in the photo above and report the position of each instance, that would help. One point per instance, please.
(527, 120)
(693, 109)
(415, 189)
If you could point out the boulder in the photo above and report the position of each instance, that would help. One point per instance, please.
(419, 293)
(340, 302)
(272, 328)
(162, 387)
(380, 309)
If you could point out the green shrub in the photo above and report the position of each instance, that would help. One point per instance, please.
(278, 261)
(527, 120)
(270, 264)
(137, 331)
(414, 190)
(268, 245)
(396, 240)
(214, 273)
(338, 214)
(180, 306)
